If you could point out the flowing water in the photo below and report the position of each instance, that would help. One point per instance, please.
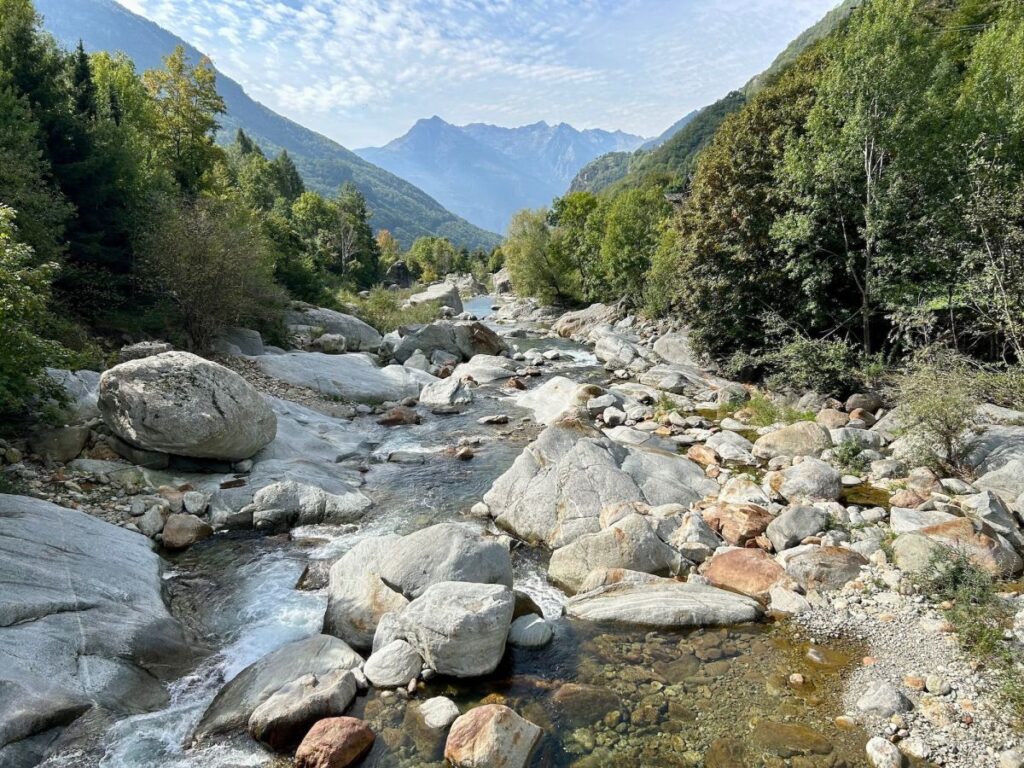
(708, 697)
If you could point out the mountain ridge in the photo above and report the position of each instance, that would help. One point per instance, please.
(402, 208)
(496, 170)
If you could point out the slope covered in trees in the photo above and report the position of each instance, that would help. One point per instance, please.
(398, 206)
(670, 162)
(867, 200)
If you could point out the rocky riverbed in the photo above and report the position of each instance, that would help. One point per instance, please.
(527, 540)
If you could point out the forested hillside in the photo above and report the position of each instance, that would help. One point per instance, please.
(670, 162)
(867, 200)
(398, 206)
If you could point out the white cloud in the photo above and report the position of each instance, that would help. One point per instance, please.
(364, 70)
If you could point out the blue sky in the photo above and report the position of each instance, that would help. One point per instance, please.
(362, 71)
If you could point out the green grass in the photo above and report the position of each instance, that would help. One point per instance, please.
(764, 412)
(979, 617)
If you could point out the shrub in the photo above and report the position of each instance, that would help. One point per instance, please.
(824, 366)
(848, 456)
(24, 295)
(385, 310)
(937, 397)
(209, 260)
(765, 412)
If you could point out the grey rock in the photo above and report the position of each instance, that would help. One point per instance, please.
(484, 369)
(142, 350)
(811, 479)
(794, 525)
(60, 444)
(81, 390)
(320, 656)
(557, 487)
(444, 552)
(446, 294)
(554, 398)
(240, 341)
(630, 544)
(393, 666)
(675, 348)
(805, 438)
(286, 716)
(439, 712)
(824, 568)
(882, 699)
(357, 598)
(1007, 480)
(903, 520)
(359, 336)
(450, 391)
(180, 404)
(457, 627)
(82, 621)
(663, 603)
(353, 377)
(864, 439)
(883, 754)
(530, 631)
(289, 503)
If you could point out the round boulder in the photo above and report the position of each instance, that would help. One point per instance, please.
(181, 404)
(491, 736)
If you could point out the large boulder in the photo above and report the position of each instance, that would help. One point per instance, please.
(357, 598)
(629, 543)
(557, 487)
(616, 351)
(445, 294)
(458, 628)
(579, 324)
(491, 736)
(675, 348)
(444, 552)
(663, 604)
(737, 523)
(484, 369)
(825, 568)
(811, 479)
(986, 548)
(285, 718)
(81, 390)
(805, 438)
(320, 656)
(380, 575)
(82, 623)
(555, 398)
(794, 525)
(359, 336)
(354, 377)
(181, 404)
(501, 281)
(288, 503)
(451, 391)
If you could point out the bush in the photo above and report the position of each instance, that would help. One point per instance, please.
(24, 295)
(385, 310)
(847, 455)
(209, 260)
(764, 412)
(823, 366)
(937, 397)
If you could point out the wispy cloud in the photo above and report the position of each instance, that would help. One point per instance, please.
(363, 70)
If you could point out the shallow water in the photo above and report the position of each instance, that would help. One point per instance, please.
(653, 699)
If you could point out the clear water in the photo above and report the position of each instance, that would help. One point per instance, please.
(240, 592)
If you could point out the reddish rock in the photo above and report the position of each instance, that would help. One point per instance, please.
(825, 568)
(399, 416)
(751, 572)
(737, 523)
(980, 546)
(906, 499)
(702, 455)
(336, 742)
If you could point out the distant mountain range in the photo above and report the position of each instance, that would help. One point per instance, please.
(486, 173)
(397, 205)
(675, 155)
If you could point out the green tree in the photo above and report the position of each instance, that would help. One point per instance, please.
(188, 106)
(872, 139)
(632, 233)
(535, 267)
(389, 247)
(578, 219)
(208, 259)
(431, 258)
(24, 294)
(289, 182)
